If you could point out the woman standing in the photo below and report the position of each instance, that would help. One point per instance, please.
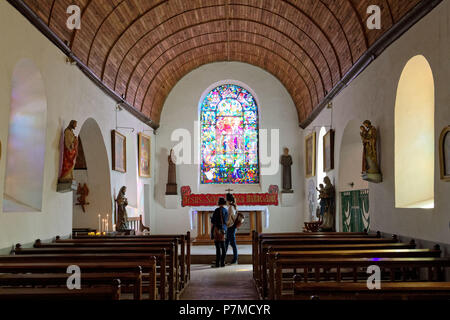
(218, 219)
(231, 227)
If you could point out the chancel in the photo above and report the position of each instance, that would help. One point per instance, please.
(224, 150)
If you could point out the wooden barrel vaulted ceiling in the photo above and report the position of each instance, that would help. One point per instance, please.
(141, 48)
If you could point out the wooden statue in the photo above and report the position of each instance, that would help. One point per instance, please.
(370, 168)
(121, 210)
(327, 212)
(171, 187)
(69, 154)
(83, 191)
(286, 162)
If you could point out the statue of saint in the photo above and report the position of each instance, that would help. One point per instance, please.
(286, 162)
(369, 139)
(121, 210)
(327, 205)
(171, 187)
(70, 153)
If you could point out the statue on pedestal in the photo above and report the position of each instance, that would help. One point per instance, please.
(370, 169)
(121, 210)
(171, 187)
(70, 152)
(327, 203)
(286, 162)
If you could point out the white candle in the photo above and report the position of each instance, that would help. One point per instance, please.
(107, 223)
(99, 226)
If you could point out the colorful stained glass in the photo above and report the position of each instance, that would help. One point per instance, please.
(229, 136)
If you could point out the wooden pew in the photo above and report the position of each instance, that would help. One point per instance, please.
(82, 253)
(258, 257)
(184, 241)
(360, 291)
(137, 225)
(315, 238)
(337, 254)
(434, 266)
(171, 246)
(317, 247)
(98, 267)
(111, 292)
(131, 278)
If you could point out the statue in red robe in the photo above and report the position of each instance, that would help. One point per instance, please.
(70, 153)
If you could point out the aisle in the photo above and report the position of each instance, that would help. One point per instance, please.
(228, 283)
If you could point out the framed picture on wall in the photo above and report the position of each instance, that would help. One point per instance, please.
(144, 155)
(119, 151)
(444, 153)
(310, 155)
(328, 151)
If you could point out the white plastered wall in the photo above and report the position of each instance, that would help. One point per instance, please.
(70, 95)
(276, 111)
(372, 96)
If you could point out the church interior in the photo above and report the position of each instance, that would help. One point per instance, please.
(125, 122)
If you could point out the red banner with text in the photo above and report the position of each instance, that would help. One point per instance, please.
(242, 199)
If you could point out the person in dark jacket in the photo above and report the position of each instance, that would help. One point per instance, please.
(218, 221)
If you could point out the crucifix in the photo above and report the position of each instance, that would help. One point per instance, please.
(228, 190)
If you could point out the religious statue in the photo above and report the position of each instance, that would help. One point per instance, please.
(69, 154)
(370, 169)
(286, 162)
(83, 191)
(326, 213)
(171, 187)
(121, 210)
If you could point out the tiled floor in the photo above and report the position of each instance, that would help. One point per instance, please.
(201, 250)
(229, 283)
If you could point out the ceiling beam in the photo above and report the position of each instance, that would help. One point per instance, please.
(390, 36)
(47, 32)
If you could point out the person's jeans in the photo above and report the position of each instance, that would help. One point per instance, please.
(231, 239)
(220, 253)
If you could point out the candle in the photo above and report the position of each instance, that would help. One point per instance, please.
(99, 227)
(107, 222)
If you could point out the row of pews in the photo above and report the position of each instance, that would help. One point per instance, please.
(111, 266)
(334, 265)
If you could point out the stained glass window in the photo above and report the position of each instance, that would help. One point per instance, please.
(229, 136)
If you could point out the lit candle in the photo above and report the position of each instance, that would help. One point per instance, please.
(107, 222)
(99, 226)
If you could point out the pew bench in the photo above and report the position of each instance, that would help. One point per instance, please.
(104, 254)
(396, 266)
(111, 292)
(360, 291)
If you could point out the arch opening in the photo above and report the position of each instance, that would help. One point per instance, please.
(229, 127)
(353, 190)
(96, 175)
(25, 154)
(414, 136)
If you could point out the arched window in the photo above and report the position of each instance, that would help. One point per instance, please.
(320, 170)
(414, 136)
(229, 136)
(25, 154)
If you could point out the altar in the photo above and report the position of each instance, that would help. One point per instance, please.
(254, 217)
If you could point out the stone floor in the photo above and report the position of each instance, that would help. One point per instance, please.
(200, 250)
(229, 283)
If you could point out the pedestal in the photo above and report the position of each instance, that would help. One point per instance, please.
(372, 177)
(287, 199)
(171, 189)
(171, 201)
(63, 187)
